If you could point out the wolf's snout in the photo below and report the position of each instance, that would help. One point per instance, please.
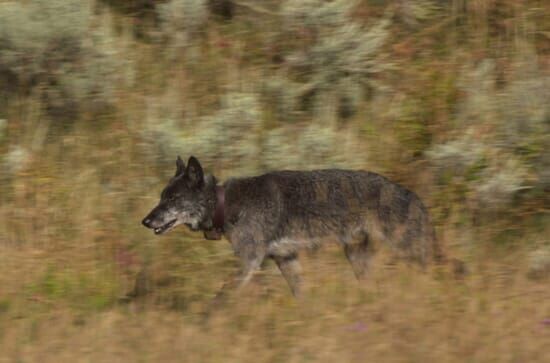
(147, 222)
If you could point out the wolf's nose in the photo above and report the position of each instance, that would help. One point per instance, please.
(146, 222)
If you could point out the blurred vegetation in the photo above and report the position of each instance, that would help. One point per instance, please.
(448, 97)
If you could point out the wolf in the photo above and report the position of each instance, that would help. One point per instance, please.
(277, 214)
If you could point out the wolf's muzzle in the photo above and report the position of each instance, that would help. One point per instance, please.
(147, 222)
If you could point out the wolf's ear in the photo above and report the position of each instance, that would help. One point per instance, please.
(180, 166)
(194, 172)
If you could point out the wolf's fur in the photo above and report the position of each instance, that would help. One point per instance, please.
(276, 214)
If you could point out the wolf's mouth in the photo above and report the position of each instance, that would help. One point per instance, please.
(164, 228)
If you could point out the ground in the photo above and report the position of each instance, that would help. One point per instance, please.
(400, 314)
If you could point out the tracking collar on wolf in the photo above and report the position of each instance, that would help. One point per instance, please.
(219, 214)
(218, 219)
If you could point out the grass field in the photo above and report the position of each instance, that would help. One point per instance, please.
(97, 97)
(62, 297)
(494, 314)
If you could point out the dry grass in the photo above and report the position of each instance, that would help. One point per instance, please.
(72, 193)
(71, 246)
(400, 315)
(62, 276)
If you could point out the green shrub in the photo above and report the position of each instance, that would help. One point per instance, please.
(3, 127)
(229, 136)
(48, 47)
(182, 21)
(309, 147)
(133, 6)
(539, 263)
(16, 159)
(514, 156)
(336, 58)
(413, 12)
(312, 146)
(458, 156)
(280, 97)
(233, 138)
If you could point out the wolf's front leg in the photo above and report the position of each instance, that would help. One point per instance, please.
(251, 259)
(241, 279)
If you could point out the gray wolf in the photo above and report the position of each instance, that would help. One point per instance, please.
(277, 214)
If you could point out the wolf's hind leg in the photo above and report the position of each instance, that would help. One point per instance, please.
(359, 255)
(291, 270)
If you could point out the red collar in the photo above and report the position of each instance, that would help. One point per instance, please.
(219, 214)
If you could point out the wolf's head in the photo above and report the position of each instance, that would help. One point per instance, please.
(187, 199)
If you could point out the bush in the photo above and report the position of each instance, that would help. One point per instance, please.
(182, 21)
(47, 47)
(231, 135)
(32, 45)
(134, 6)
(512, 157)
(413, 12)
(233, 138)
(539, 263)
(458, 156)
(309, 147)
(280, 96)
(228, 137)
(336, 59)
